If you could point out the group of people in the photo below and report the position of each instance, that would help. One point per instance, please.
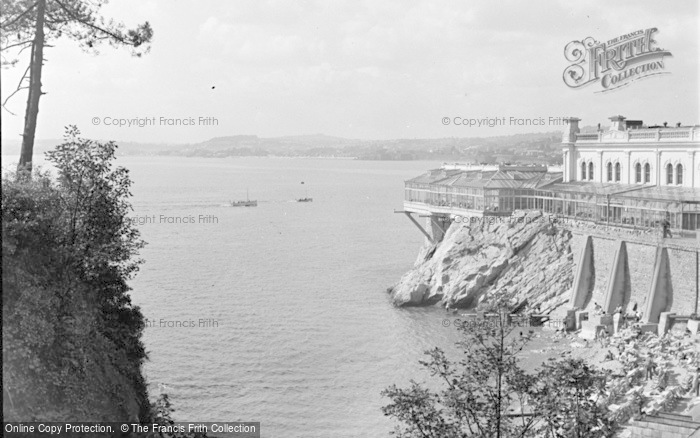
(635, 315)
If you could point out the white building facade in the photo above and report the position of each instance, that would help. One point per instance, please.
(632, 153)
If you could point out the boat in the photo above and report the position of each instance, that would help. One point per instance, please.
(306, 196)
(246, 203)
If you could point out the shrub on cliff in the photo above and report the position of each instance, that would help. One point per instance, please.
(71, 337)
(487, 394)
(477, 393)
(569, 398)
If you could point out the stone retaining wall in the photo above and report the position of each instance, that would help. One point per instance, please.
(680, 295)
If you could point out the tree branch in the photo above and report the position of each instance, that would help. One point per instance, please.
(21, 43)
(22, 50)
(13, 93)
(5, 24)
(117, 37)
(19, 87)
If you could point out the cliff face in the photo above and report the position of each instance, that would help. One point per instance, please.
(58, 363)
(524, 257)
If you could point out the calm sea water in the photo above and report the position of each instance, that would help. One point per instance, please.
(296, 328)
(297, 331)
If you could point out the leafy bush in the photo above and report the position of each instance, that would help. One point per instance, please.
(71, 337)
(487, 394)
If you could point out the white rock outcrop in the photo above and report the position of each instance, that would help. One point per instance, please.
(525, 259)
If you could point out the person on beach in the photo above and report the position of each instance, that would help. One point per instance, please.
(695, 388)
(602, 336)
(650, 366)
(637, 317)
(620, 350)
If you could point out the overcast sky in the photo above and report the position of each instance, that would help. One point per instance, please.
(372, 69)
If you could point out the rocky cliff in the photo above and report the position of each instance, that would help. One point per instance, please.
(525, 259)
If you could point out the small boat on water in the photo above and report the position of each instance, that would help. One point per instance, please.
(246, 203)
(306, 196)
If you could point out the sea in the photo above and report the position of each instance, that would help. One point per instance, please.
(279, 313)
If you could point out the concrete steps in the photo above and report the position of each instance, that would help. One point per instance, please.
(675, 417)
(664, 425)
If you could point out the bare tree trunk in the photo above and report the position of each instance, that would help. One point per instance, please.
(30, 117)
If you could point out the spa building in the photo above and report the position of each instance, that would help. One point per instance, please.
(629, 175)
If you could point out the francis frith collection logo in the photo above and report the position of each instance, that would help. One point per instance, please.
(615, 63)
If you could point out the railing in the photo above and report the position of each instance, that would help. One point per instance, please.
(674, 134)
(682, 239)
(644, 134)
(587, 137)
(451, 207)
(596, 217)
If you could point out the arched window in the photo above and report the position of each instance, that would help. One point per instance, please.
(590, 171)
(610, 173)
(669, 173)
(617, 172)
(638, 173)
(679, 174)
(583, 171)
(647, 173)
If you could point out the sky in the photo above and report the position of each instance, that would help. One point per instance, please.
(366, 69)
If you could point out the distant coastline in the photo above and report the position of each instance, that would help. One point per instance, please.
(531, 148)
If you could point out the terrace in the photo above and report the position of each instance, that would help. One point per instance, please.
(476, 192)
(645, 135)
(454, 192)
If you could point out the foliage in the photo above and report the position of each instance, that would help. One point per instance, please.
(75, 19)
(30, 24)
(567, 397)
(71, 336)
(488, 394)
(476, 394)
(162, 410)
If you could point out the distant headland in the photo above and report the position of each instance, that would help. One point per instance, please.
(531, 148)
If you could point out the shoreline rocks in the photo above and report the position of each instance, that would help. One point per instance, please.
(524, 258)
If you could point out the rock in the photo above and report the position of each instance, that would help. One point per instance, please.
(520, 258)
(410, 290)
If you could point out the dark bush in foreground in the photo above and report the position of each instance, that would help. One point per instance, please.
(71, 337)
(488, 395)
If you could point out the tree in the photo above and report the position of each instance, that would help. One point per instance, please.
(488, 395)
(569, 397)
(71, 337)
(482, 395)
(32, 23)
